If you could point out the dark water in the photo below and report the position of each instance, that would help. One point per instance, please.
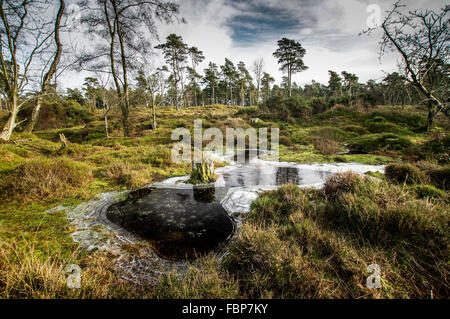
(179, 223)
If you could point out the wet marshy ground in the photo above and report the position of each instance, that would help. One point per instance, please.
(179, 223)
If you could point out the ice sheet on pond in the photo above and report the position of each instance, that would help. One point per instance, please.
(243, 181)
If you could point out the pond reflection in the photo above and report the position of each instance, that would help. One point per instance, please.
(258, 175)
(179, 223)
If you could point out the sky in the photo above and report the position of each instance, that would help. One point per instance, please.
(246, 30)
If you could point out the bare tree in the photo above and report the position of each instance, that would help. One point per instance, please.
(24, 34)
(152, 85)
(122, 30)
(108, 101)
(45, 83)
(258, 69)
(421, 38)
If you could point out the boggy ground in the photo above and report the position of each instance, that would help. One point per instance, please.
(293, 244)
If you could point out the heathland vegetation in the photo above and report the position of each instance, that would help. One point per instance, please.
(64, 148)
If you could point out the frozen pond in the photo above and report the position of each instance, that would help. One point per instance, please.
(172, 220)
(241, 182)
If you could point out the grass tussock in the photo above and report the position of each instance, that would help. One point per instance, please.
(204, 279)
(326, 146)
(26, 273)
(299, 243)
(44, 178)
(421, 173)
(405, 173)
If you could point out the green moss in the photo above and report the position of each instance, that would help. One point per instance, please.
(428, 191)
(304, 155)
(370, 159)
(375, 174)
(49, 232)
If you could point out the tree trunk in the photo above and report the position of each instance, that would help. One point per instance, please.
(106, 125)
(11, 123)
(154, 115)
(125, 122)
(289, 80)
(431, 115)
(34, 115)
(51, 71)
(9, 127)
(231, 93)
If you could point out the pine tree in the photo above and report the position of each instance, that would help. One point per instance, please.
(335, 83)
(230, 74)
(290, 55)
(210, 79)
(175, 52)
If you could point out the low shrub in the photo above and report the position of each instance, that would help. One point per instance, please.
(329, 132)
(440, 177)
(438, 148)
(341, 111)
(326, 146)
(284, 140)
(120, 173)
(341, 100)
(285, 108)
(59, 114)
(410, 121)
(376, 142)
(318, 105)
(380, 125)
(405, 173)
(339, 183)
(355, 129)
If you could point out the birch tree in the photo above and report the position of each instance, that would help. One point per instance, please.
(421, 39)
(24, 34)
(53, 61)
(121, 31)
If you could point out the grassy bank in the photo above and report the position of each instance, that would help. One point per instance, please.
(294, 243)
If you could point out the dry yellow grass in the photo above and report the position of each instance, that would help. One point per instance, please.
(26, 273)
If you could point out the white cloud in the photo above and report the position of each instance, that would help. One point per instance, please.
(330, 36)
